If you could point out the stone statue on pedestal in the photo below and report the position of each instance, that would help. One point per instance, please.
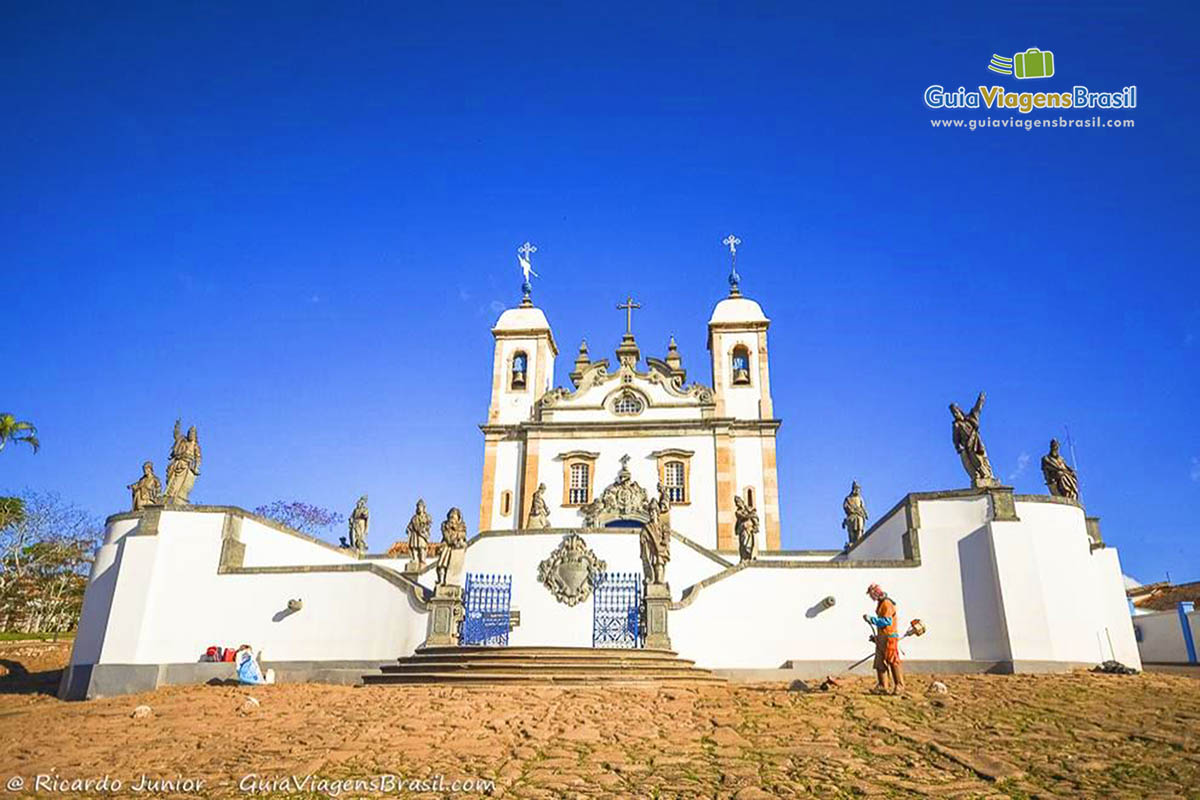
(146, 490)
(359, 522)
(969, 445)
(454, 541)
(1061, 480)
(539, 511)
(746, 525)
(183, 466)
(418, 535)
(655, 544)
(856, 513)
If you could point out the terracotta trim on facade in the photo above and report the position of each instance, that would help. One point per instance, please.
(529, 480)
(770, 500)
(487, 497)
(726, 470)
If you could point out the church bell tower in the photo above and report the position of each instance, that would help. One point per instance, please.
(745, 437)
(522, 371)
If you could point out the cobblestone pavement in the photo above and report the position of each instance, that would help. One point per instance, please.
(1078, 735)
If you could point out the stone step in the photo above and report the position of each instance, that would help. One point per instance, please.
(519, 668)
(547, 652)
(579, 665)
(485, 678)
(491, 658)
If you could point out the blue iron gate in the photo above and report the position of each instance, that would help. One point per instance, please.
(616, 610)
(486, 601)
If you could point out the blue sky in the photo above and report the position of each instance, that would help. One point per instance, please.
(294, 225)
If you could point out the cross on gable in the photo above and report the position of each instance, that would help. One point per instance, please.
(628, 306)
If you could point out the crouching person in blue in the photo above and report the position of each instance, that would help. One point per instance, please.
(248, 670)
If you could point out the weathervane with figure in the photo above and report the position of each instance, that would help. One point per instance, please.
(732, 243)
(523, 254)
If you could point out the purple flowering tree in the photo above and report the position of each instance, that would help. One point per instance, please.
(303, 517)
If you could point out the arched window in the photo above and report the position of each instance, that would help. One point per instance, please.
(505, 503)
(741, 366)
(580, 488)
(519, 365)
(750, 496)
(628, 404)
(675, 481)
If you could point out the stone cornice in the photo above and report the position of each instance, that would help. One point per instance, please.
(232, 511)
(704, 426)
(528, 333)
(586, 455)
(759, 325)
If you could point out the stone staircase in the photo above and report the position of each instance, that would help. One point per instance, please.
(546, 665)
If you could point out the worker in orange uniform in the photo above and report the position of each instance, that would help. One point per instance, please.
(887, 641)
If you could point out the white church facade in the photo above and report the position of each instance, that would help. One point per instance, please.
(573, 478)
(701, 444)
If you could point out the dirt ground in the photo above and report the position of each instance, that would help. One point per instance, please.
(1077, 735)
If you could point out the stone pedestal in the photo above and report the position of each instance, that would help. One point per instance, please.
(445, 615)
(457, 568)
(1004, 507)
(658, 603)
(412, 568)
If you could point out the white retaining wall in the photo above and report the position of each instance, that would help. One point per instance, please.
(1031, 593)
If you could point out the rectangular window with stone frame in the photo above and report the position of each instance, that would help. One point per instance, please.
(579, 475)
(579, 491)
(674, 473)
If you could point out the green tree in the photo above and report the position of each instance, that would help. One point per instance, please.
(12, 511)
(45, 557)
(15, 430)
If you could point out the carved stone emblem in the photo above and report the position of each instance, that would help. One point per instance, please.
(571, 570)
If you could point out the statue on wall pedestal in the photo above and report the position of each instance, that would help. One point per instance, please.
(183, 466)
(146, 490)
(418, 535)
(856, 513)
(655, 545)
(969, 444)
(454, 543)
(360, 521)
(1061, 480)
(746, 525)
(539, 511)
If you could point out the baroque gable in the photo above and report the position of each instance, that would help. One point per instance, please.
(602, 393)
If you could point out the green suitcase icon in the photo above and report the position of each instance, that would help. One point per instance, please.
(1034, 63)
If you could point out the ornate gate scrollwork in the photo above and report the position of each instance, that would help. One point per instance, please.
(487, 601)
(617, 609)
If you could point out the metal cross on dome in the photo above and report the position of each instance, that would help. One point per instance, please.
(732, 243)
(523, 254)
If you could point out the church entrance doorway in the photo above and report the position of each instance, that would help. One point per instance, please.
(487, 601)
(616, 610)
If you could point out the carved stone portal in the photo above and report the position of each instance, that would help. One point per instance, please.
(571, 571)
(624, 498)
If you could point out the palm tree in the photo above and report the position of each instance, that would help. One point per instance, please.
(15, 430)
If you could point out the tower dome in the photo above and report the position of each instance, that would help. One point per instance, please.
(739, 309)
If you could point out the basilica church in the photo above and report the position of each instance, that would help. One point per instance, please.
(700, 445)
(634, 511)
